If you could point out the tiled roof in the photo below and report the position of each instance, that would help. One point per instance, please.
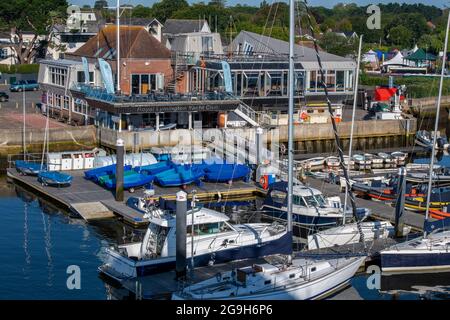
(135, 42)
(176, 26)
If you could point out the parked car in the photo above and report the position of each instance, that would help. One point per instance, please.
(3, 96)
(27, 85)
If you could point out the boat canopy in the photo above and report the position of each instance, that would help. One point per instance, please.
(201, 216)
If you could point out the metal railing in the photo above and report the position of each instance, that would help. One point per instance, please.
(100, 93)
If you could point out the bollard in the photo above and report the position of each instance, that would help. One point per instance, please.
(181, 235)
(119, 169)
(400, 204)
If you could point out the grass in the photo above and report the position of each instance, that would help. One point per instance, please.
(417, 87)
(20, 68)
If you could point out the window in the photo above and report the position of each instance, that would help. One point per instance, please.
(340, 80)
(143, 83)
(209, 228)
(80, 106)
(298, 200)
(247, 49)
(81, 78)
(278, 196)
(267, 282)
(57, 76)
(57, 101)
(3, 53)
(207, 44)
(66, 103)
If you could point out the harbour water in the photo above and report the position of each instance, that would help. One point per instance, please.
(39, 242)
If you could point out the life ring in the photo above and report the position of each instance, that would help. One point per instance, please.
(264, 182)
(304, 116)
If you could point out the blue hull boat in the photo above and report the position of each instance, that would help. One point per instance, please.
(179, 176)
(226, 172)
(130, 180)
(27, 168)
(54, 178)
(95, 174)
(155, 168)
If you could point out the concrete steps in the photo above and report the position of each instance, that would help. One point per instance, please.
(92, 210)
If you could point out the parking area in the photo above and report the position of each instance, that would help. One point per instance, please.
(11, 112)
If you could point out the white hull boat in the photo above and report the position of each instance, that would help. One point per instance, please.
(348, 234)
(304, 279)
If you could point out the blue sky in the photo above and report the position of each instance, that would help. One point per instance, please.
(326, 3)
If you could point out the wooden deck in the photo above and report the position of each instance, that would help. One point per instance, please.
(380, 210)
(92, 201)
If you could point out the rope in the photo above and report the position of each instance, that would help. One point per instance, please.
(333, 122)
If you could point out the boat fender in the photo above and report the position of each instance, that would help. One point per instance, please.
(264, 182)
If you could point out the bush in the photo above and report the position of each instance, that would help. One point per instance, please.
(20, 68)
(417, 87)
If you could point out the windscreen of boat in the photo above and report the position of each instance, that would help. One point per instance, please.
(209, 228)
(157, 237)
(315, 200)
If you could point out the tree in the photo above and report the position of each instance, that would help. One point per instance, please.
(141, 12)
(100, 4)
(401, 36)
(35, 16)
(166, 8)
(337, 44)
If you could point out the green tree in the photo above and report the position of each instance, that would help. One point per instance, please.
(100, 4)
(166, 8)
(401, 36)
(35, 16)
(336, 44)
(141, 12)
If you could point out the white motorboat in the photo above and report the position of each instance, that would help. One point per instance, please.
(425, 254)
(215, 240)
(400, 157)
(348, 234)
(362, 162)
(388, 160)
(332, 162)
(316, 163)
(376, 161)
(304, 279)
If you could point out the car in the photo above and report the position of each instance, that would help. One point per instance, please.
(27, 85)
(3, 96)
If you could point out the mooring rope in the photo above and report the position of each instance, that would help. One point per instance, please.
(333, 122)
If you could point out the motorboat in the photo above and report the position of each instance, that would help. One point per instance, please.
(28, 168)
(376, 161)
(316, 163)
(54, 178)
(400, 157)
(215, 241)
(362, 162)
(425, 139)
(441, 176)
(388, 160)
(332, 162)
(425, 254)
(304, 279)
(349, 234)
(439, 198)
(310, 208)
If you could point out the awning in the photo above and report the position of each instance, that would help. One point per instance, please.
(329, 65)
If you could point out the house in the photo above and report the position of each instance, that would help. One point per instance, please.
(79, 28)
(152, 25)
(259, 71)
(8, 54)
(144, 67)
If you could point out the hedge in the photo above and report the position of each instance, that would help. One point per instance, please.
(19, 68)
(416, 86)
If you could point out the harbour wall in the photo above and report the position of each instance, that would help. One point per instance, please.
(60, 139)
(309, 138)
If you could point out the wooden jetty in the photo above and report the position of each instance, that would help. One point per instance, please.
(162, 285)
(91, 201)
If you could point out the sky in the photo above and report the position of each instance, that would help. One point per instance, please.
(325, 3)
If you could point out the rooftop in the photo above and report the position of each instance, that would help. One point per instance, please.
(135, 42)
(176, 26)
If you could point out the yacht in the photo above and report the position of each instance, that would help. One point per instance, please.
(303, 279)
(215, 240)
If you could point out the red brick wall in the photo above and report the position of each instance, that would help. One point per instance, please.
(143, 66)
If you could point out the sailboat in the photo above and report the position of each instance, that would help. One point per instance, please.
(429, 253)
(350, 233)
(297, 278)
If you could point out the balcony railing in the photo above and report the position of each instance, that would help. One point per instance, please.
(100, 93)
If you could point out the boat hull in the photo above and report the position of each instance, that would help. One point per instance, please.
(397, 262)
(313, 290)
(119, 267)
(302, 220)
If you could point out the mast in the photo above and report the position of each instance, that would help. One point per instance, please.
(118, 44)
(436, 122)
(355, 99)
(291, 116)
